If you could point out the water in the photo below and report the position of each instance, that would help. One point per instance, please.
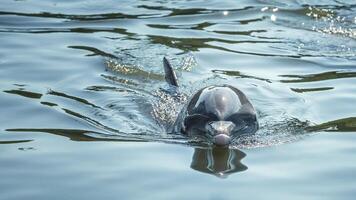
(84, 112)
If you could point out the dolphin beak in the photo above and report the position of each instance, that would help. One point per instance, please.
(221, 132)
(222, 140)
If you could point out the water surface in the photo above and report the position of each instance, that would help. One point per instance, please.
(84, 112)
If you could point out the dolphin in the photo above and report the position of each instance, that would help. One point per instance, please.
(219, 113)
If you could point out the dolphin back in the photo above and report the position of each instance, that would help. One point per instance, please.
(170, 75)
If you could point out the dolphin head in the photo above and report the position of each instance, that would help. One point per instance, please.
(220, 114)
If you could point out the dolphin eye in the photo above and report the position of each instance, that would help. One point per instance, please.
(240, 118)
(197, 120)
(244, 122)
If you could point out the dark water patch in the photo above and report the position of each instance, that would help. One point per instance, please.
(48, 103)
(249, 33)
(91, 17)
(78, 99)
(340, 125)
(95, 51)
(24, 93)
(93, 136)
(318, 77)
(88, 30)
(98, 88)
(89, 120)
(302, 90)
(194, 44)
(199, 26)
(20, 24)
(245, 50)
(26, 148)
(74, 134)
(239, 75)
(175, 12)
(15, 141)
(191, 11)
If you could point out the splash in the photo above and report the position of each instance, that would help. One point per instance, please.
(331, 23)
(167, 106)
(335, 36)
(272, 133)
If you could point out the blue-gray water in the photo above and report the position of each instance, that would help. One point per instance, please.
(83, 113)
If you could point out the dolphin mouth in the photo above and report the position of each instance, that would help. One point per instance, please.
(221, 140)
(220, 132)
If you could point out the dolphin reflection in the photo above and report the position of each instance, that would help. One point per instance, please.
(217, 161)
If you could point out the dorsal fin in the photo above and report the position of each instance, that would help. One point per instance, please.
(170, 75)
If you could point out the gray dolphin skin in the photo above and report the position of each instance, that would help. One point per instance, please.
(218, 113)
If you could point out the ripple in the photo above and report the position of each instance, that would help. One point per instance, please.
(318, 77)
(87, 17)
(24, 93)
(339, 125)
(302, 90)
(15, 141)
